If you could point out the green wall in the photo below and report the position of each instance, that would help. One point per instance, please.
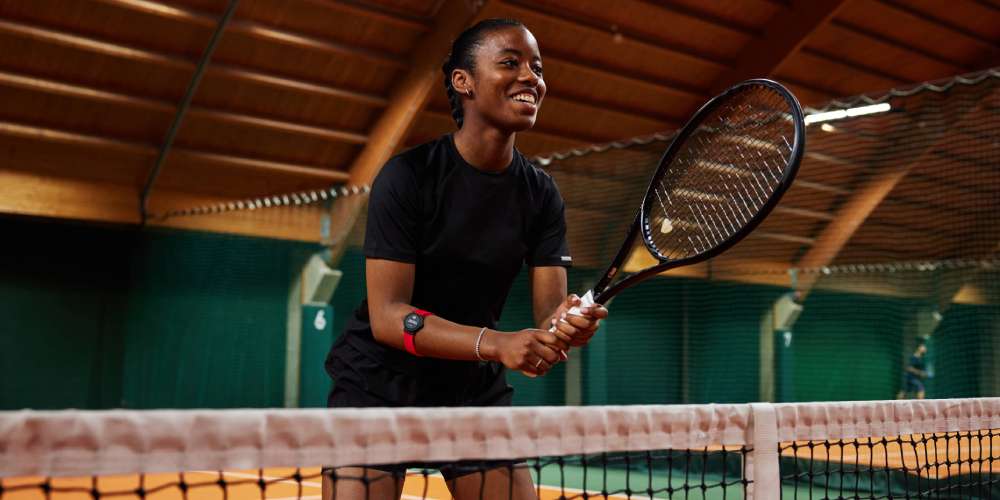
(206, 320)
(844, 346)
(61, 291)
(725, 340)
(100, 317)
(966, 353)
(638, 357)
(849, 347)
(642, 360)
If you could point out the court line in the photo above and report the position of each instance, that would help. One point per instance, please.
(277, 480)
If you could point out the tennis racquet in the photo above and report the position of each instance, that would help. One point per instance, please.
(720, 177)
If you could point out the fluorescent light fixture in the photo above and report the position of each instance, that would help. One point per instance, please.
(845, 113)
(867, 110)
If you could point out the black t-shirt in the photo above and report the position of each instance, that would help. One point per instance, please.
(468, 233)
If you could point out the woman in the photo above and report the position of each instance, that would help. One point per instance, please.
(450, 223)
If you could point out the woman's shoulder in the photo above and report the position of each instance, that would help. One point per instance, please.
(536, 176)
(415, 160)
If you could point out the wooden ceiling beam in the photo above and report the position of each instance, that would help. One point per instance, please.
(48, 86)
(56, 136)
(590, 24)
(158, 106)
(221, 70)
(966, 283)
(259, 31)
(956, 286)
(787, 238)
(297, 85)
(174, 13)
(851, 215)
(956, 29)
(819, 186)
(827, 93)
(266, 33)
(837, 161)
(854, 66)
(601, 104)
(629, 77)
(855, 210)
(224, 70)
(802, 212)
(324, 133)
(780, 39)
(881, 38)
(93, 45)
(374, 11)
(745, 29)
(283, 168)
(40, 195)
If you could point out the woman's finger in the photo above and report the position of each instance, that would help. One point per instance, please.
(583, 322)
(595, 311)
(548, 354)
(555, 340)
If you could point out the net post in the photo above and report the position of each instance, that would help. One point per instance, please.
(762, 468)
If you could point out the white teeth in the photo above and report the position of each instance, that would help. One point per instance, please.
(528, 98)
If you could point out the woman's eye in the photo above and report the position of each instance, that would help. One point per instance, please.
(537, 70)
(509, 63)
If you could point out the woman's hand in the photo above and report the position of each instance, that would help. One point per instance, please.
(576, 330)
(530, 351)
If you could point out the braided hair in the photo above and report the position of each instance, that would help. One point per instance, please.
(462, 56)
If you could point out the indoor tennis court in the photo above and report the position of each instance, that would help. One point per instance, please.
(214, 208)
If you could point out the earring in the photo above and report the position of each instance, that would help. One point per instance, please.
(468, 93)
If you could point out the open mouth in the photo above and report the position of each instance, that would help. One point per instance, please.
(525, 97)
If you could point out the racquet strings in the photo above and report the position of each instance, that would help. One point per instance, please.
(722, 176)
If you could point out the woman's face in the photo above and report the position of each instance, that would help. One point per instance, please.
(507, 83)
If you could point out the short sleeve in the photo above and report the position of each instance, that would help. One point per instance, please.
(549, 246)
(393, 214)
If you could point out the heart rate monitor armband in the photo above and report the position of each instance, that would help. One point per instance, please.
(413, 323)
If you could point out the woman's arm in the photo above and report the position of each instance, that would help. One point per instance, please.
(548, 292)
(390, 289)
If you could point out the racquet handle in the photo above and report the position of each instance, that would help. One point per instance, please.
(586, 301)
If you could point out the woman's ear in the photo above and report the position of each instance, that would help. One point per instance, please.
(461, 80)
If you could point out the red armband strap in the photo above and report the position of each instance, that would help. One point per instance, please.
(412, 324)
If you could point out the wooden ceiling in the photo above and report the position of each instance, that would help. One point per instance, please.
(905, 203)
(304, 94)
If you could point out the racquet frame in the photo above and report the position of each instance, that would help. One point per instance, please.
(603, 292)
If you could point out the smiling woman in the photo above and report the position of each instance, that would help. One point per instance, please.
(450, 225)
(511, 71)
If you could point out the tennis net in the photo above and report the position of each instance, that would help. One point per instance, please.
(893, 449)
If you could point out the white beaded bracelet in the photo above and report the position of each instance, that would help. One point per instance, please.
(479, 341)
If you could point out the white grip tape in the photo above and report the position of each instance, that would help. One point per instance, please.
(586, 301)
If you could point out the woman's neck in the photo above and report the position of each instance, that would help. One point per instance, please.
(485, 148)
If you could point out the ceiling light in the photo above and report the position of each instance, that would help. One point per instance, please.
(845, 113)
